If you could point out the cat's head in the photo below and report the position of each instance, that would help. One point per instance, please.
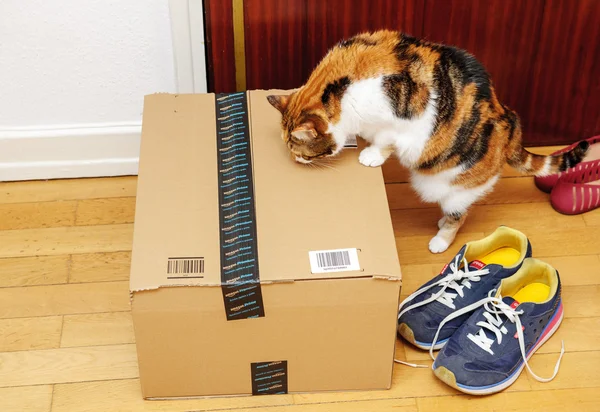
(305, 130)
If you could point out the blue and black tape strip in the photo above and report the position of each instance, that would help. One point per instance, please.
(240, 280)
(269, 378)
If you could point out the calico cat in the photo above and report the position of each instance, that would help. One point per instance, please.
(431, 105)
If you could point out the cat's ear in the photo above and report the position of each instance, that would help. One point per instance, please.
(278, 102)
(305, 132)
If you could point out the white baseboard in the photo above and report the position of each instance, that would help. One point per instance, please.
(69, 151)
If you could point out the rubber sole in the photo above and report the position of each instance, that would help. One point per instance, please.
(406, 332)
(446, 376)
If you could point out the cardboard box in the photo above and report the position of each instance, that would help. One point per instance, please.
(225, 299)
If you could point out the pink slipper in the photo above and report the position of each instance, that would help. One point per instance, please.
(579, 191)
(546, 183)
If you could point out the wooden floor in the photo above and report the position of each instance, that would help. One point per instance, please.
(66, 339)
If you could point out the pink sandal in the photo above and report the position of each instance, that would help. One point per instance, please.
(546, 183)
(578, 191)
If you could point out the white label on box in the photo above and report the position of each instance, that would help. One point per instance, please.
(351, 142)
(337, 260)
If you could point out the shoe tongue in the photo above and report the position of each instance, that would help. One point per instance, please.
(476, 265)
(511, 302)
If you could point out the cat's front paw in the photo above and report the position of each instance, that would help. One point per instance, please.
(438, 244)
(371, 156)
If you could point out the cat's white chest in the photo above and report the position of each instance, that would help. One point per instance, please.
(366, 111)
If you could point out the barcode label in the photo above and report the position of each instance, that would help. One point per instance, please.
(339, 260)
(185, 267)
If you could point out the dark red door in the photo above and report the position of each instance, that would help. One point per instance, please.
(543, 55)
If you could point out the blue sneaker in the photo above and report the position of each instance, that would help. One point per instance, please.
(488, 353)
(477, 268)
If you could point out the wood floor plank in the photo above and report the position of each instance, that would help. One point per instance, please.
(64, 299)
(592, 218)
(416, 355)
(68, 365)
(407, 382)
(30, 333)
(105, 211)
(26, 399)
(394, 172)
(402, 196)
(65, 240)
(519, 190)
(566, 241)
(414, 249)
(527, 217)
(36, 270)
(100, 267)
(585, 399)
(576, 270)
(577, 370)
(95, 368)
(97, 329)
(73, 189)
(581, 301)
(379, 405)
(37, 215)
(578, 334)
(126, 396)
(415, 275)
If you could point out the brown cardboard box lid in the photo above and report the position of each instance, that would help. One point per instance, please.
(298, 208)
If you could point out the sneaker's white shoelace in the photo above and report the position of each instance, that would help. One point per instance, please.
(492, 316)
(464, 276)
(412, 365)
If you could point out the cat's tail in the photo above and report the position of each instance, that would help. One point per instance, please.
(532, 164)
(540, 165)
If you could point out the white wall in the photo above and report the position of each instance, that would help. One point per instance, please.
(82, 61)
(73, 74)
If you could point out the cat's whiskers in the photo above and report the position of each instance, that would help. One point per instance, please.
(324, 165)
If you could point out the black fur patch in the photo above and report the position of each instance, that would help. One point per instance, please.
(474, 152)
(357, 40)
(446, 100)
(512, 120)
(336, 88)
(574, 157)
(470, 68)
(464, 144)
(400, 89)
(464, 134)
(401, 49)
(430, 164)
(455, 216)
